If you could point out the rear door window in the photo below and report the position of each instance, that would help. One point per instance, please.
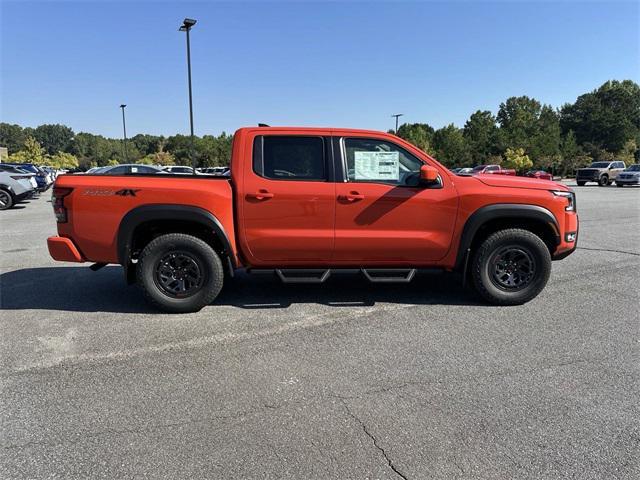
(280, 157)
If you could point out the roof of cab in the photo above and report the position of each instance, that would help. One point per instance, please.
(312, 130)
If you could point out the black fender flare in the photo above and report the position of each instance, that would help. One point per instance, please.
(501, 210)
(147, 213)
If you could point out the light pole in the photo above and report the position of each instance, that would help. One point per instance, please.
(124, 129)
(187, 23)
(397, 115)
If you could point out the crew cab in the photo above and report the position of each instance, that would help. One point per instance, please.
(492, 170)
(603, 173)
(306, 203)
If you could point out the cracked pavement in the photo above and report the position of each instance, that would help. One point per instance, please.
(343, 380)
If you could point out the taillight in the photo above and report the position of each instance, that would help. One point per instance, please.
(57, 199)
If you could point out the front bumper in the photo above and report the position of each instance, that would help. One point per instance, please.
(571, 228)
(628, 181)
(64, 250)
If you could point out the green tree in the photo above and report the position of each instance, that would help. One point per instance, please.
(32, 152)
(418, 134)
(517, 159)
(63, 160)
(147, 144)
(158, 158)
(215, 151)
(12, 137)
(481, 135)
(450, 147)
(518, 118)
(54, 138)
(607, 117)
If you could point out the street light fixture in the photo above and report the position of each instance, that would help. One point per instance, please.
(397, 115)
(187, 23)
(124, 129)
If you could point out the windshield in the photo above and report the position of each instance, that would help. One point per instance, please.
(633, 168)
(599, 164)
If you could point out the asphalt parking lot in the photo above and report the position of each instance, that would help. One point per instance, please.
(342, 380)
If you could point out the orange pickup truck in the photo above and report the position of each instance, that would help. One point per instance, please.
(306, 203)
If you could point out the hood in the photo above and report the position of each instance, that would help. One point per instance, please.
(520, 182)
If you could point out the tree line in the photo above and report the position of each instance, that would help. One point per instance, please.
(59, 146)
(600, 125)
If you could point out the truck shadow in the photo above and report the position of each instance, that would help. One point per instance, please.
(78, 289)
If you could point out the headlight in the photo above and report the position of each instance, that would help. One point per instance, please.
(571, 198)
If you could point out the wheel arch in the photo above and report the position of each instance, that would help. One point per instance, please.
(491, 218)
(144, 223)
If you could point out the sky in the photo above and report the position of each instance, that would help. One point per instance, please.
(342, 64)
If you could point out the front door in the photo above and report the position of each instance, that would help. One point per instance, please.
(383, 215)
(289, 201)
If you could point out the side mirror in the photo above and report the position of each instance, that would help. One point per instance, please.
(428, 174)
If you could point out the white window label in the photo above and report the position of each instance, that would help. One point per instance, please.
(377, 166)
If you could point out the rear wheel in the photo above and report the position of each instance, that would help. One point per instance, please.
(581, 184)
(603, 181)
(179, 273)
(6, 199)
(511, 267)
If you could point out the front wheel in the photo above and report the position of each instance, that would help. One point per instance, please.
(603, 181)
(179, 273)
(511, 267)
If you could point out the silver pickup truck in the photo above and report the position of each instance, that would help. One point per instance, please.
(603, 173)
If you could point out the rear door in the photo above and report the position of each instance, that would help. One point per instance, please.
(288, 203)
(383, 214)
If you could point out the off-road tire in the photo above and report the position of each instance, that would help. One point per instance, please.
(523, 239)
(603, 181)
(581, 184)
(6, 199)
(208, 265)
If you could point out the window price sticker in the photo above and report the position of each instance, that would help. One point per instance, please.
(377, 166)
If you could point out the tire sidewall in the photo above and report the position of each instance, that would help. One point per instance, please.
(206, 258)
(603, 181)
(522, 238)
(12, 200)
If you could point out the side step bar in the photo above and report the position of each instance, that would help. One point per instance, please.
(320, 275)
(389, 275)
(299, 275)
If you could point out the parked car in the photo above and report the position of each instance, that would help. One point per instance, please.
(179, 169)
(18, 171)
(492, 170)
(379, 204)
(541, 174)
(14, 187)
(629, 176)
(603, 173)
(127, 169)
(42, 178)
(465, 171)
(214, 171)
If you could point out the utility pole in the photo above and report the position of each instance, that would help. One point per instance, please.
(397, 115)
(124, 129)
(186, 27)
